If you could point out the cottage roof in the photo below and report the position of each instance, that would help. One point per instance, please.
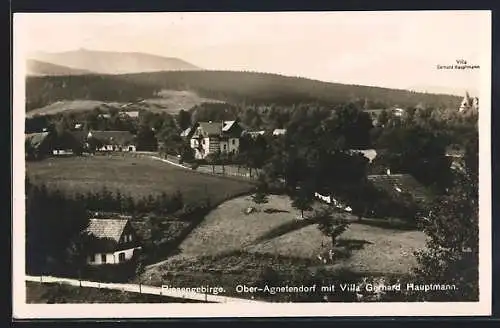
(36, 139)
(399, 183)
(211, 128)
(111, 229)
(227, 125)
(114, 137)
(186, 132)
(370, 154)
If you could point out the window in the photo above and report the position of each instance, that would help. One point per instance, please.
(121, 257)
(233, 142)
(129, 237)
(93, 258)
(202, 141)
(103, 258)
(225, 146)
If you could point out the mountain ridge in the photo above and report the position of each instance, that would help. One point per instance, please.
(227, 86)
(40, 68)
(112, 62)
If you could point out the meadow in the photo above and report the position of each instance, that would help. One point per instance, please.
(230, 247)
(133, 175)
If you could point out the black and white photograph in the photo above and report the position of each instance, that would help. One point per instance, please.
(251, 164)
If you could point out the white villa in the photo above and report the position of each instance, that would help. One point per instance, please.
(211, 137)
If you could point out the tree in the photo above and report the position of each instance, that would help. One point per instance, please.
(77, 252)
(261, 194)
(146, 139)
(329, 225)
(452, 252)
(184, 119)
(140, 268)
(212, 160)
(94, 144)
(303, 199)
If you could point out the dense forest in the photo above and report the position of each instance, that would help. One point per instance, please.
(228, 86)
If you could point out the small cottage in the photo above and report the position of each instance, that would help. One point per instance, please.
(114, 140)
(114, 241)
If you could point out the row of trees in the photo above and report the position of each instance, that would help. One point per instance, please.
(54, 220)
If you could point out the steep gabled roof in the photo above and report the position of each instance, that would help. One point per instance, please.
(211, 128)
(111, 229)
(227, 125)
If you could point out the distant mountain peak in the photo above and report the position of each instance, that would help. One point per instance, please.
(113, 62)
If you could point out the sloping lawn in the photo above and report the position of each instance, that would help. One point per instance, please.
(361, 248)
(135, 176)
(228, 228)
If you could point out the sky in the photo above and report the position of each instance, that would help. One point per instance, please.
(387, 49)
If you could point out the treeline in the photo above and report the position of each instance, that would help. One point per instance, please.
(107, 201)
(55, 218)
(231, 87)
(44, 90)
(53, 221)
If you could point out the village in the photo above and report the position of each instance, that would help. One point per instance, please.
(151, 194)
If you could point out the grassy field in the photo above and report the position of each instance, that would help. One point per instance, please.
(135, 176)
(169, 101)
(361, 248)
(228, 228)
(73, 106)
(230, 247)
(55, 293)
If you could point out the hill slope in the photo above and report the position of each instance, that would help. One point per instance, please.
(40, 68)
(227, 86)
(107, 62)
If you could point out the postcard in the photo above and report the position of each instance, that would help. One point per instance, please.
(251, 164)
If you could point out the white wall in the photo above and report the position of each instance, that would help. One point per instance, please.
(224, 146)
(234, 147)
(111, 258)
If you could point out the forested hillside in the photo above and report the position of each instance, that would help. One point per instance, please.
(231, 87)
(45, 90)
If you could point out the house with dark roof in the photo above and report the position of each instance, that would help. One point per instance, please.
(212, 137)
(398, 185)
(114, 140)
(114, 241)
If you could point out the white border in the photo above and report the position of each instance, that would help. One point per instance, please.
(21, 310)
